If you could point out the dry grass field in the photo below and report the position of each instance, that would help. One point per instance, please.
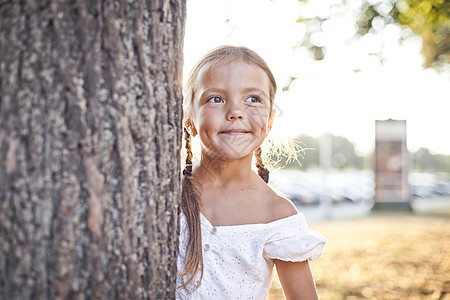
(394, 256)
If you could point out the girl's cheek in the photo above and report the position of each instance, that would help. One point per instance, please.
(262, 111)
(258, 116)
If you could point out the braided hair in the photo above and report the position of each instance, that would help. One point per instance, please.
(191, 208)
(263, 172)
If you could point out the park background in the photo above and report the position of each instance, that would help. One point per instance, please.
(340, 65)
(90, 176)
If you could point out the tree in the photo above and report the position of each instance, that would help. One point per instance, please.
(90, 133)
(343, 154)
(426, 161)
(429, 19)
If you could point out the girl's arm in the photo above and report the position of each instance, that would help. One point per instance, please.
(296, 280)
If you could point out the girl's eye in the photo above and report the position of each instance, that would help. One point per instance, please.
(253, 99)
(215, 99)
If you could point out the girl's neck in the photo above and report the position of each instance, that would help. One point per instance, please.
(219, 172)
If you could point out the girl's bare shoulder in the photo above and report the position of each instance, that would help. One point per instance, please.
(278, 206)
(282, 207)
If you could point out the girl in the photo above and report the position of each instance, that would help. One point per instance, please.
(234, 228)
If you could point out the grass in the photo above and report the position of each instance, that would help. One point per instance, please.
(397, 256)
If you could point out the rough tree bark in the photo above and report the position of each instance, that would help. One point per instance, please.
(90, 133)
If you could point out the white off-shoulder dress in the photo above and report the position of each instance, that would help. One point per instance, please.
(238, 260)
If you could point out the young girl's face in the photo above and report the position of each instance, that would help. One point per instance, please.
(231, 109)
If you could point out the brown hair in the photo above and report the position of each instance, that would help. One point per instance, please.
(190, 195)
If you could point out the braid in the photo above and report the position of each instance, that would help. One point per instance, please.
(190, 204)
(188, 167)
(263, 172)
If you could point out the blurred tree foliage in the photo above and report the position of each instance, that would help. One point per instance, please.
(430, 19)
(425, 161)
(344, 155)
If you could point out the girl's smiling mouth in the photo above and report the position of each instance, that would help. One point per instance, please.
(235, 131)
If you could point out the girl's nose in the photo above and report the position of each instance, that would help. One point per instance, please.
(235, 112)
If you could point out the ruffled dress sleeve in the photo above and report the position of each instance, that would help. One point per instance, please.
(291, 240)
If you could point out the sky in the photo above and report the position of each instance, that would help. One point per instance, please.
(344, 93)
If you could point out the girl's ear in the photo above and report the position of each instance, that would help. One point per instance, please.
(190, 127)
(271, 119)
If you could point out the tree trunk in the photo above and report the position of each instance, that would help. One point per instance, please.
(90, 133)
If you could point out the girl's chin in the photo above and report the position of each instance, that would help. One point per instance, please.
(230, 153)
(230, 148)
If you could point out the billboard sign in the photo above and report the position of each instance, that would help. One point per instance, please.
(391, 165)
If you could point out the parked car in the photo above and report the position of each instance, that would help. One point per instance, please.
(307, 188)
(299, 192)
(428, 185)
